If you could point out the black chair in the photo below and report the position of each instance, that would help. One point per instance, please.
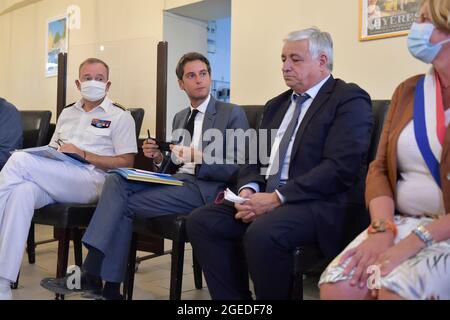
(69, 220)
(308, 259)
(35, 126)
(173, 227)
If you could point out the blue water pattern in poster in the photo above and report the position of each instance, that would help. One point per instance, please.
(57, 33)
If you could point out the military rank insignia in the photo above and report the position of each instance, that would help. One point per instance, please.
(102, 124)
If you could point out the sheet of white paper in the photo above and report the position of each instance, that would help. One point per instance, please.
(232, 197)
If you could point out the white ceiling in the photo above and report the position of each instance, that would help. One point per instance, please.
(205, 10)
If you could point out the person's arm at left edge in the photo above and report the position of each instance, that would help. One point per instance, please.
(10, 133)
(124, 141)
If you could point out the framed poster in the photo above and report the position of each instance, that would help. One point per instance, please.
(56, 42)
(386, 18)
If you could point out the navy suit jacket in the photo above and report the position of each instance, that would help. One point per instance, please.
(10, 130)
(329, 158)
(212, 178)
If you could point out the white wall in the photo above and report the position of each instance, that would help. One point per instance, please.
(377, 66)
(183, 35)
(129, 31)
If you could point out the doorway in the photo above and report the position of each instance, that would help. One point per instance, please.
(203, 27)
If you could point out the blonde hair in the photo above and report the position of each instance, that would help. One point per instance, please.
(439, 13)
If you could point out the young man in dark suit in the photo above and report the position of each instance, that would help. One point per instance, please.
(317, 158)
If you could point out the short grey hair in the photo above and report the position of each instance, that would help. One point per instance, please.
(319, 42)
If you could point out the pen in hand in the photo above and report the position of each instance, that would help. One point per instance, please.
(60, 143)
(149, 137)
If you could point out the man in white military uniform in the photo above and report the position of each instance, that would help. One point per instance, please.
(95, 129)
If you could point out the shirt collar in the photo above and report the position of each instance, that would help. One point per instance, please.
(105, 105)
(314, 90)
(202, 108)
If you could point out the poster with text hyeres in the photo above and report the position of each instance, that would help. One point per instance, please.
(56, 42)
(386, 18)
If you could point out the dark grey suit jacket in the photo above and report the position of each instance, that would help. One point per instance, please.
(211, 178)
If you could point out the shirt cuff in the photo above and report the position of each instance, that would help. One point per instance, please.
(282, 198)
(252, 185)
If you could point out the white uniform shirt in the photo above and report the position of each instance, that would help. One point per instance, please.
(106, 130)
(196, 143)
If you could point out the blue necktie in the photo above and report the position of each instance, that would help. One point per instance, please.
(273, 182)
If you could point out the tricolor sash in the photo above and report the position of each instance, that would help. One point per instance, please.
(429, 121)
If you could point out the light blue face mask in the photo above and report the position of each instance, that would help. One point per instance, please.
(419, 42)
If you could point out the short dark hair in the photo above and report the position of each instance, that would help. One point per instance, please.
(93, 61)
(188, 57)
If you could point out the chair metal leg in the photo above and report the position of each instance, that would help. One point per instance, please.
(128, 285)
(15, 285)
(31, 245)
(78, 247)
(176, 273)
(63, 256)
(297, 286)
(198, 279)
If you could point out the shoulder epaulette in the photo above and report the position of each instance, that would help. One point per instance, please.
(118, 105)
(70, 105)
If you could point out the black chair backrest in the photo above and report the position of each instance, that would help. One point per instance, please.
(138, 116)
(379, 110)
(254, 114)
(35, 126)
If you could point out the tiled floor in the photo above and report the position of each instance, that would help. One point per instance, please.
(151, 283)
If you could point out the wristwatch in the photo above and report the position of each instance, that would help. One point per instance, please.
(378, 226)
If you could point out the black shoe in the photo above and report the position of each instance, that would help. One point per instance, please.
(113, 297)
(90, 285)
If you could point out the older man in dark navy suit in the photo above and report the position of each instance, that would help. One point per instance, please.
(317, 159)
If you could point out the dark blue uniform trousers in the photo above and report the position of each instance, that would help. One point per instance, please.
(111, 227)
(228, 250)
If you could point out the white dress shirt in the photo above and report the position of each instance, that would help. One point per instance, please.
(312, 92)
(189, 168)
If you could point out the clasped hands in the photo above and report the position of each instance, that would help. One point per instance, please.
(257, 205)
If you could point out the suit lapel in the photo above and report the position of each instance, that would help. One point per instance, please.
(319, 100)
(274, 117)
(208, 120)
